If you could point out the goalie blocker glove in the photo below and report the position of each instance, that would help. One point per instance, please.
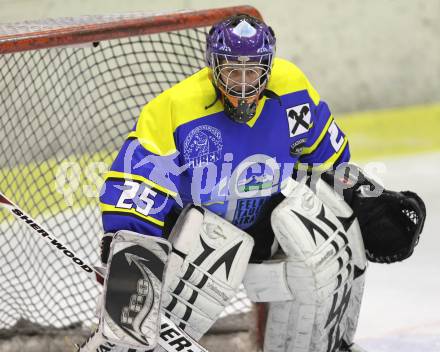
(129, 310)
(391, 222)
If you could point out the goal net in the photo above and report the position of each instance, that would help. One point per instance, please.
(70, 92)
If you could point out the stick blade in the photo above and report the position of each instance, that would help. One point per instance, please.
(4, 200)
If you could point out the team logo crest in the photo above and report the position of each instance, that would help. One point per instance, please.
(255, 183)
(299, 119)
(203, 145)
(254, 180)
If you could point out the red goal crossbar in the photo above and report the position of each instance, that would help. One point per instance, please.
(89, 29)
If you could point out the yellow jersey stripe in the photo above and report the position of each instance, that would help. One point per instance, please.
(326, 164)
(125, 176)
(330, 161)
(106, 208)
(132, 135)
(314, 146)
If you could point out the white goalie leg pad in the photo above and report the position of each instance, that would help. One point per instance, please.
(133, 289)
(267, 281)
(97, 342)
(342, 210)
(206, 267)
(318, 269)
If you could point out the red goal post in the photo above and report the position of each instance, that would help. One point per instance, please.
(70, 91)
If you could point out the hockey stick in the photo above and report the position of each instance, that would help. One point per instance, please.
(171, 337)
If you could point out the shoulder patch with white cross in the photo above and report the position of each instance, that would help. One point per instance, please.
(299, 118)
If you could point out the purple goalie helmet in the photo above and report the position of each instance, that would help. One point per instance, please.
(240, 51)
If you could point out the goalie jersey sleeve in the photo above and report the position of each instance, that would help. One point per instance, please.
(326, 145)
(316, 139)
(142, 185)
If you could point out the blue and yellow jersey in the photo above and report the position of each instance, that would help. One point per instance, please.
(185, 150)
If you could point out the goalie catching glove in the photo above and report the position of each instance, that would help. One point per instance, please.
(391, 222)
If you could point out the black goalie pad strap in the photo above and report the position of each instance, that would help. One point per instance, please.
(106, 240)
(390, 224)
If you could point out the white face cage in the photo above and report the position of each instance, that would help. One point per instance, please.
(241, 76)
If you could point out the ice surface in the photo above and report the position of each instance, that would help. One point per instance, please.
(401, 306)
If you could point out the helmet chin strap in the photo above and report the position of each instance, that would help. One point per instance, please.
(217, 96)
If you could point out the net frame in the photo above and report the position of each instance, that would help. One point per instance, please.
(90, 30)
